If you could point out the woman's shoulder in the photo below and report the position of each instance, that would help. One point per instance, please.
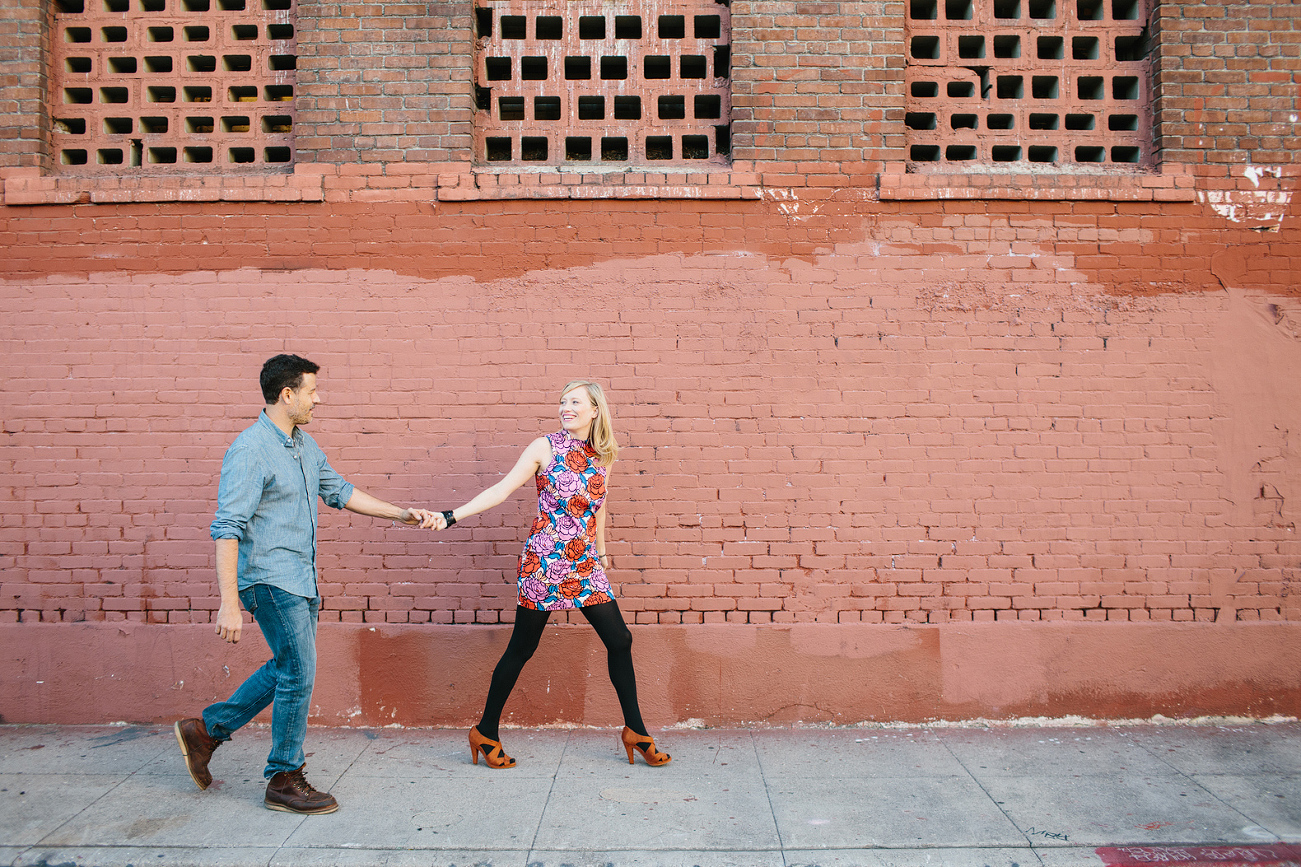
(541, 450)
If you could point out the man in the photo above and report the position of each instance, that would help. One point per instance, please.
(265, 531)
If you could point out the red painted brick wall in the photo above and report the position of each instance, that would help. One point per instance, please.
(985, 411)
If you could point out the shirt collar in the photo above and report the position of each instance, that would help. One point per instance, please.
(287, 441)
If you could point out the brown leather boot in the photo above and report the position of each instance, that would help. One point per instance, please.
(197, 747)
(289, 792)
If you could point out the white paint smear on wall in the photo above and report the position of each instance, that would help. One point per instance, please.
(1257, 206)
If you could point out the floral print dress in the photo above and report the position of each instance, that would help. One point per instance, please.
(559, 568)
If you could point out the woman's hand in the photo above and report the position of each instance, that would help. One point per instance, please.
(422, 518)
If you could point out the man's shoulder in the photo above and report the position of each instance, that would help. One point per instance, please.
(251, 433)
(252, 438)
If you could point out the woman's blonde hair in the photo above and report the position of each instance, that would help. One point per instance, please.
(601, 436)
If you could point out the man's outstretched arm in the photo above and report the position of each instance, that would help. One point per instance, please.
(364, 504)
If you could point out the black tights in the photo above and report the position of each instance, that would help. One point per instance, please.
(613, 632)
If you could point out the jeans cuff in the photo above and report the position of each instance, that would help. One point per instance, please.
(216, 732)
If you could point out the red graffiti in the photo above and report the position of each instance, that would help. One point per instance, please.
(1277, 854)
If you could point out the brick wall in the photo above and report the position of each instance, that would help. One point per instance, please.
(818, 82)
(1227, 84)
(814, 84)
(384, 82)
(852, 393)
(22, 84)
(897, 415)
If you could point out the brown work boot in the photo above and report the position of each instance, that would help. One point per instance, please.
(197, 746)
(289, 792)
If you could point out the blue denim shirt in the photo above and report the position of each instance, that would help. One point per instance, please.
(267, 500)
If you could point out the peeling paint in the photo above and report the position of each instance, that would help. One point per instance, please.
(789, 204)
(1251, 206)
(1247, 206)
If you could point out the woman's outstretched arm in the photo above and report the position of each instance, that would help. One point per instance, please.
(536, 456)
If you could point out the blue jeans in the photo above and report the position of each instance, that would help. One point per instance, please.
(288, 624)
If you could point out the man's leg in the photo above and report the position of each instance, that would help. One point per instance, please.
(200, 737)
(224, 718)
(288, 623)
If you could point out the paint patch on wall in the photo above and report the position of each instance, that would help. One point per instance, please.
(1262, 207)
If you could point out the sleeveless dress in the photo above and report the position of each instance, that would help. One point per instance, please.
(559, 568)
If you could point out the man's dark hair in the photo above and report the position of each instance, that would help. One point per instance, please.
(284, 371)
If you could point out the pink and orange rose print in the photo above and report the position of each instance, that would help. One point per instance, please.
(559, 567)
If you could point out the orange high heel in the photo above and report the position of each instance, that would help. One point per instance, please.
(644, 744)
(493, 755)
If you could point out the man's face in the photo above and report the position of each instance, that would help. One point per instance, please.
(303, 400)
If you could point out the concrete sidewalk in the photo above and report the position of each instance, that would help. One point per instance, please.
(963, 796)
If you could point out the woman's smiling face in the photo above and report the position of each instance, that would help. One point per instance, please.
(577, 412)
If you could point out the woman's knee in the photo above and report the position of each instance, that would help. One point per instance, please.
(524, 637)
(618, 639)
(520, 652)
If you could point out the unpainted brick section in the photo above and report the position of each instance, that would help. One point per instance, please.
(385, 83)
(1046, 82)
(22, 84)
(1227, 85)
(156, 86)
(581, 84)
(818, 89)
(818, 83)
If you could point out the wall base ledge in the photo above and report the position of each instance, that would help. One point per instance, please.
(1172, 184)
(432, 675)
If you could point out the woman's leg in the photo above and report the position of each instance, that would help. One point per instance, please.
(523, 641)
(614, 633)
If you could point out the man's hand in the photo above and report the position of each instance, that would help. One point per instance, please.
(422, 518)
(230, 622)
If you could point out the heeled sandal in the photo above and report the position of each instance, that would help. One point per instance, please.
(493, 755)
(644, 744)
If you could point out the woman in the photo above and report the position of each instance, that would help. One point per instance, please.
(563, 564)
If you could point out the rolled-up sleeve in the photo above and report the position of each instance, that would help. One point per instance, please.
(238, 494)
(335, 490)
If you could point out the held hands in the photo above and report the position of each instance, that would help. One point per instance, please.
(425, 519)
(422, 518)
